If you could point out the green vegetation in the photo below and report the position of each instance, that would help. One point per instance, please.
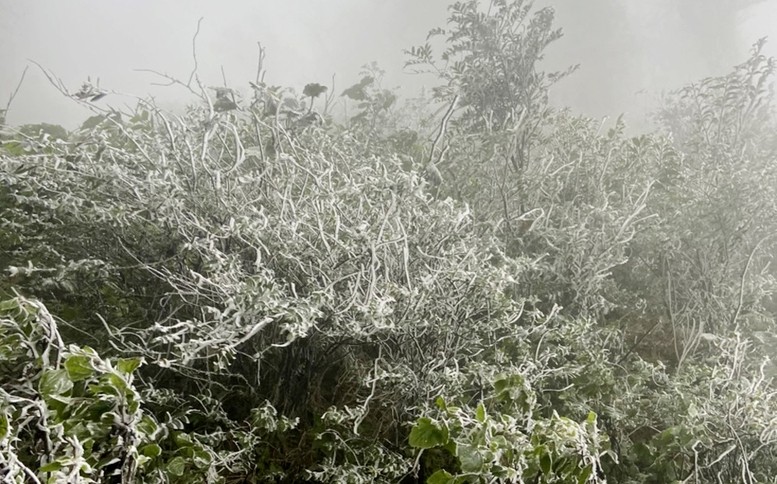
(471, 288)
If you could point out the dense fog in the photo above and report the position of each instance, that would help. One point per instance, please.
(629, 52)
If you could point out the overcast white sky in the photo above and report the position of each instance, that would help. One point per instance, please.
(623, 46)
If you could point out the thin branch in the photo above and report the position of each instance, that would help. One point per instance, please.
(62, 88)
(224, 76)
(260, 65)
(443, 128)
(13, 95)
(638, 342)
(328, 98)
(171, 81)
(55, 81)
(194, 52)
(740, 303)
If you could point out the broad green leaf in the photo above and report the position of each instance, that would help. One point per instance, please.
(440, 477)
(54, 382)
(427, 434)
(151, 450)
(176, 466)
(187, 452)
(148, 426)
(79, 367)
(88, 351)
(116, 384)
(182, 439)
(469, 458)
(8, 305)
(202, 458)
(128, 365)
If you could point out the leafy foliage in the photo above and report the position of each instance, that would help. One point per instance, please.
(69, 415)
(504, 441)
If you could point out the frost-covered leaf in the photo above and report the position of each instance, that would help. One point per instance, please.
(54, 382)
(427, 434)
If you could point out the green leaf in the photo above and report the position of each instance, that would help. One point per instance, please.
(59, 402)
(480, 413)
(440, 477)
(51, 467)
(427, 434)
(151, 450)
(8, 305)
(115, 381)
(202, 458)
(14, 148)
(591, 419)
(54, 382)
(469, 458)
(147, 426)
(546, 463)
(79, 367)
(128, 365)
(177, 466)
(585, 474)
(504, 383)
(4, 427)
(182, 440)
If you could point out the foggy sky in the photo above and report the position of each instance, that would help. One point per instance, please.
(629, 50)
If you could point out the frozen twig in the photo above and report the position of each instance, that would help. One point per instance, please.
(4, 112)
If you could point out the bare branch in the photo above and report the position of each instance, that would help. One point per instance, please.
(260, 65)
(194, 53)
(4, 112)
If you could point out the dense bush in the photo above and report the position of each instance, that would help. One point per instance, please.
(253, 291)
